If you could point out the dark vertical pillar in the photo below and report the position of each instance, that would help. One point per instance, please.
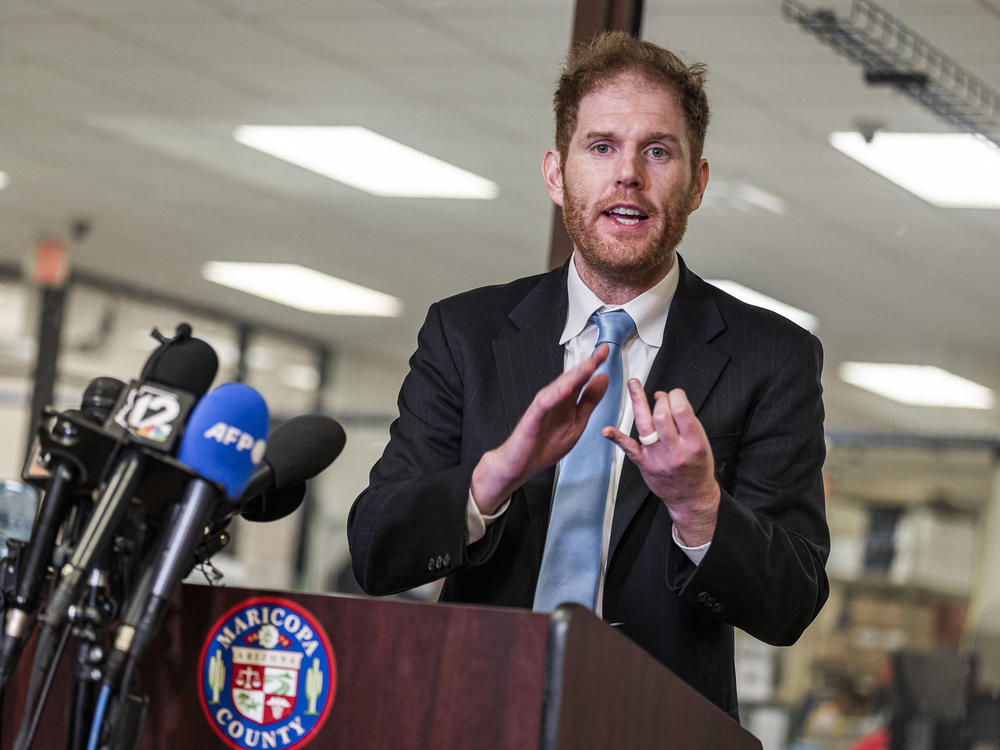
(591, 18)
(52, 303)
(594, 16)
(243, 346)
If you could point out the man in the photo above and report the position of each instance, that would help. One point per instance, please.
(714, 504)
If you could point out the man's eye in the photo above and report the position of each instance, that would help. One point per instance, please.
(657, 153)
(602, 148)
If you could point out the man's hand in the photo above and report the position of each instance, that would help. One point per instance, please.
(545, 433)
(678, 467)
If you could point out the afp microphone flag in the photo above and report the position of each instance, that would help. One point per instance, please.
(225, 436)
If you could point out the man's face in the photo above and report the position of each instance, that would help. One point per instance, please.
(626, 185)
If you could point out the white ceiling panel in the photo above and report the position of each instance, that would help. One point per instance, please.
(68, 43)
(377, 36)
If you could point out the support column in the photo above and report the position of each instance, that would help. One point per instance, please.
(49, 272)
(243, 335)
(591, 18)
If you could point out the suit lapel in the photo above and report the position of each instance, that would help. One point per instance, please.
(686, 360)
(528, 360)
(531, 357)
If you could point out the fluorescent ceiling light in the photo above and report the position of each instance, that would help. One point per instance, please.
(4, 180)
(744, 197)
(367, 161)
(303, 288)
(951, 170)
(751, 195)
(807, 320)
(917, 385)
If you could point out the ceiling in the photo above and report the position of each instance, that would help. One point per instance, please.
(121, 112)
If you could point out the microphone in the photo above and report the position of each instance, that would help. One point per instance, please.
(99, 397)
(273, 504)
(224, 443)
(149, 412)
(297, 450)
(152, 411)
(64, 478)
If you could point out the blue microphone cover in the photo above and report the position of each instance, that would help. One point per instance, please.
(225, 437)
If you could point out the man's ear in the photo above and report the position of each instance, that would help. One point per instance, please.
(552, 173)
(698, 184)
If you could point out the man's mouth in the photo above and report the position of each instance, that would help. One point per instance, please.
(626, 215)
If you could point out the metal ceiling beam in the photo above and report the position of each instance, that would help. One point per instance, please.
(891, 54)
(591, 18)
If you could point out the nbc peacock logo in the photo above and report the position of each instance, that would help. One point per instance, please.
(267, 675)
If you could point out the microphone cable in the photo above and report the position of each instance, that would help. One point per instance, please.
(109, 724)
(95, 728)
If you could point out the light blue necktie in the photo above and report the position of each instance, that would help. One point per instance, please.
(572, 557)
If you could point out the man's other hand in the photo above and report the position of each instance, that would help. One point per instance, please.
(678, 467)
(550, 426)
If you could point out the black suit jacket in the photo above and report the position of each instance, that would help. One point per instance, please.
(753, 379)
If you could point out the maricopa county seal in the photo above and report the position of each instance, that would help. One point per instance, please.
(267, 675)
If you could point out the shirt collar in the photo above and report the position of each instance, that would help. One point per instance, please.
(648, 310)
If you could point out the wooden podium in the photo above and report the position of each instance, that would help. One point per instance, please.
(411, 675)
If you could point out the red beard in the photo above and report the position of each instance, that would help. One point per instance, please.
(628, 261)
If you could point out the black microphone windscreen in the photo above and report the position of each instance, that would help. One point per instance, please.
(302, 447)
(274, 504)
(99, 397)
(184, 363)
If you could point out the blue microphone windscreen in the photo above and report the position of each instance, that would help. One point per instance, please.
(225, 437)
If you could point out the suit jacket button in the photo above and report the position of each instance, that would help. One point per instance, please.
(717, 607)
(703, 598)
(438, 562)
(447, 559)
(430, 564)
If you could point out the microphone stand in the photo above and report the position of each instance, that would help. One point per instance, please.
(106, 590)
(87, 613)
(90, 621)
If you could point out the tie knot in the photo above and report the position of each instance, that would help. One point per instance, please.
(613, 327)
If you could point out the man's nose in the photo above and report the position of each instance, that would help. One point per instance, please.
(631, 173)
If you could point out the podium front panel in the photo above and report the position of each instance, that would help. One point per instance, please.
(257, 670)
